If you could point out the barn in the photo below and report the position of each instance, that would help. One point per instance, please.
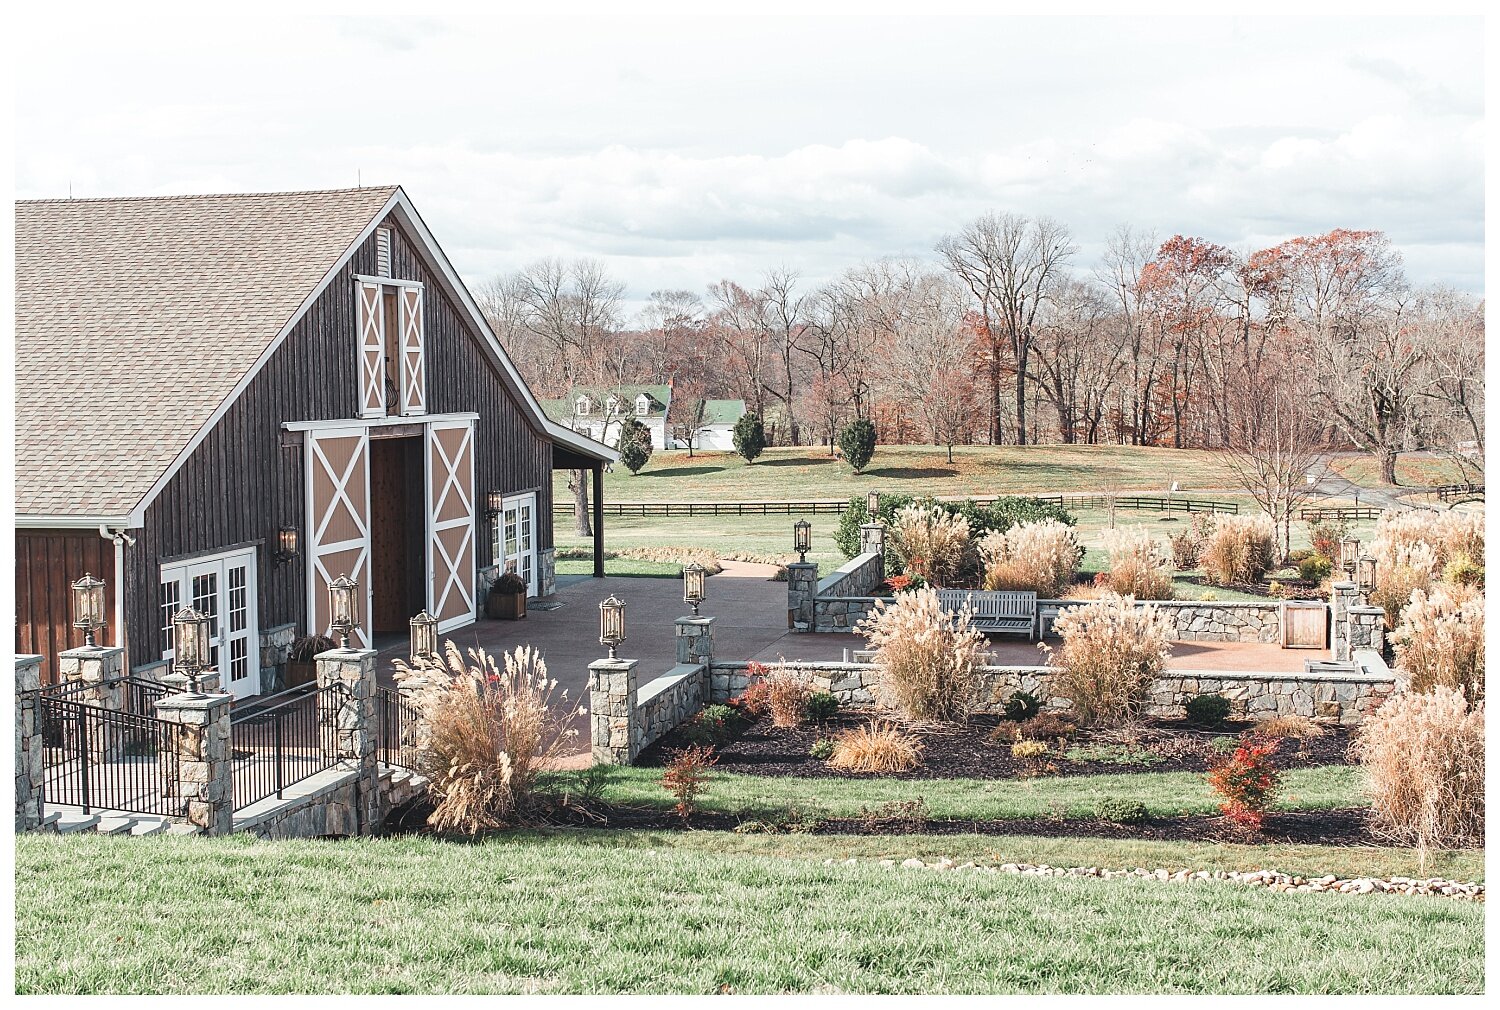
(229, 401)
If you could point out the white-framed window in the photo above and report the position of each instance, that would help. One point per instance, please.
(581, 405)
(642, 405)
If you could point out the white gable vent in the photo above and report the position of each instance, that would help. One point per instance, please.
(383, 252)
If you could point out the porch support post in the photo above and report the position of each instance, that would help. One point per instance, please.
(201, 742)
(346, 695)
(598, 520)
(28, 743)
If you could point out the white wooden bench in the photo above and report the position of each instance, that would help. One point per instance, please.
(995, 611)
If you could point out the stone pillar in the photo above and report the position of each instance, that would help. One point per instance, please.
(346, 714)
(28, 743)
(872, 541)
(203, 757)
(1343, 598)
(801, 589)
(1366, 629)
(612, 684)
(101, 668)
(546, 571)
(695, 640)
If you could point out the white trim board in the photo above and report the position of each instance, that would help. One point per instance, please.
(388, 420)
(390, 282)
(34, 521)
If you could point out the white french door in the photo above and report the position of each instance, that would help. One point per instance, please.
(515, 539)
(223, 588)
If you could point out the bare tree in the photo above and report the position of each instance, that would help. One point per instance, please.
(1011, 264)
(1272, 456)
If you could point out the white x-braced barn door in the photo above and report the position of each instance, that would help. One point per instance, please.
(413, 371)
(371, 349)
(338, 522)
(450, 522)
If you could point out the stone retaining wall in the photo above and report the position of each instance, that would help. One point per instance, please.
(1342, 696)
(668, 701)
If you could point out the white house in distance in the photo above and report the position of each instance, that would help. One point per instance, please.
(705, 424)
(598, 413)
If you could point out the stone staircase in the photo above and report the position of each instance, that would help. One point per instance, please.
(66, 820)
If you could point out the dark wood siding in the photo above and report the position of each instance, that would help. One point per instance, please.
(47, 564)
(243, 483)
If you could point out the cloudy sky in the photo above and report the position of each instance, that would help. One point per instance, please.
(682, 151)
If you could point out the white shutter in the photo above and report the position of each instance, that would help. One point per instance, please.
(371, 326)
(413, 354)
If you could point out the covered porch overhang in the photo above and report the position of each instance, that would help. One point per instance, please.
(574, 451)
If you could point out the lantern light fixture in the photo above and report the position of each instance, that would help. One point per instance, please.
(1348, 553)
(1365, 574)
(343, 607)
(192, 644)
(612, 624)
(424, 638)
(88, 606)
(694, 585)
(872, 506)
(802, 538)
(494, 503)
(286, 545)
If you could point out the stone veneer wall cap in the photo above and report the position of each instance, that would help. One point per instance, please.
(645, 692)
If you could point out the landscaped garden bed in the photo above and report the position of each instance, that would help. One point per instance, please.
(970, 750)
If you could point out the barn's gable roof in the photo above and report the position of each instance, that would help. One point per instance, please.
(139, 320)
(136, 318)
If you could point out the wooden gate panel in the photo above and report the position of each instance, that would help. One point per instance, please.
(1304, 626)
(338, 522)
(450, 511)
(371, 350)
(413, 354)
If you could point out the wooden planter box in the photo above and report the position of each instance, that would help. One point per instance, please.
(505, 606)
(298, 674)
(1304, 624)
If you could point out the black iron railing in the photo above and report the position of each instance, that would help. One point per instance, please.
(100, 759)
(282, 739)
(395, 729)
(139, 695)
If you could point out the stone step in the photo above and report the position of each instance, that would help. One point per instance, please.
(150, 826)
(49, 818)
(71, 823)
(115, 825)
(183, 828)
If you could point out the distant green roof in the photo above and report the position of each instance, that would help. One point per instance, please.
(660, 398)
(723, 411)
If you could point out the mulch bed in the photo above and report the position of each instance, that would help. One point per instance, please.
(966, 751)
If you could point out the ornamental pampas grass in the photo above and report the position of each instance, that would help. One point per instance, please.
(1041, 557)
(1111, 651)
(926, 661)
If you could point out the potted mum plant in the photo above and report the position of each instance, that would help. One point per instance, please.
(507, 598)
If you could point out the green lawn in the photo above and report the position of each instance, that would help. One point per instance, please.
(1411, 471)
(558, 914)
(1163, 793)
(809, 473)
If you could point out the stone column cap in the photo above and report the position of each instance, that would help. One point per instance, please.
(190, 702)
(802, 564)
(1345, 587)
(345, 655)
(92, 652)
(24, 661)
(699, 621)
(1365, 608)
(613, 665)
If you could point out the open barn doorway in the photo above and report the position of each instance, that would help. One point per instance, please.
(398, 560)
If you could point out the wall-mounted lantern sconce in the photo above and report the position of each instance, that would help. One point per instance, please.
(286, 545)
(694, 585)
(88, 606)
(424, 638)
(802, 538)
(612, 624)
(192, 648)
(494, 503)
(343, 606)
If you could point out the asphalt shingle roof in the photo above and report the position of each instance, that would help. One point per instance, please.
(135, 318)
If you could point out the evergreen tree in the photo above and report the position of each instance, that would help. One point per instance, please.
(749, 437)
(634, 444)
(857, 442)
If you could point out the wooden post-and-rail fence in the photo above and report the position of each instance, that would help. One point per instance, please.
(837, 507)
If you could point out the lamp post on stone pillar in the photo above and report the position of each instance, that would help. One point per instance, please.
(28, 743)
(201, 758)
(346, 698)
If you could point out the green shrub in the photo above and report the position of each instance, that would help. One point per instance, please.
(1208, 709)
(1462, 570)
(1021, 706)
(634, 444)
(1314, 567)
(1114, 754)
(857, 443)
(1224, 744)
(749, 437)
(821, 706)
(998, 516)
(1024, 750)
(1118, 811)
(714, 725)
(822, 749)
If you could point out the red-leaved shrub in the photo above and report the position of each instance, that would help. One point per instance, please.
(686, 775)
(1247, 781)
